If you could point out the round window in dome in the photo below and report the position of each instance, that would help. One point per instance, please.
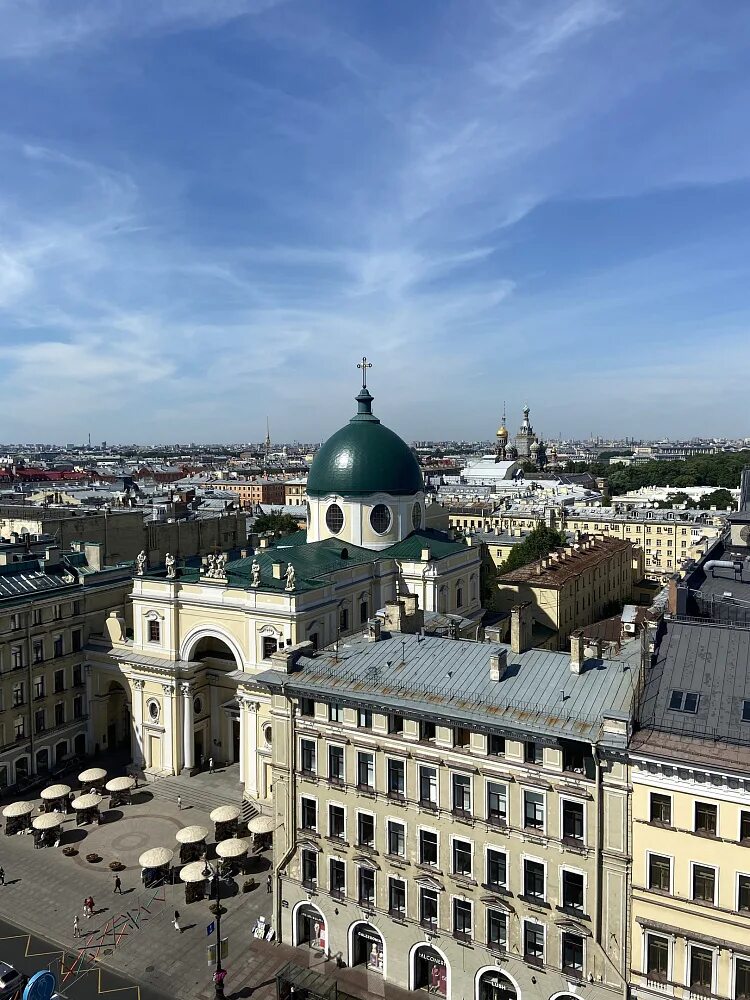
(380, 518)
(335, 518)
(416, 516)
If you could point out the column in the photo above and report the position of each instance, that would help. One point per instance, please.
(249, 747)
(241, 701)
(167, 752)
(90, 728)
(136, 737)
(188, 742)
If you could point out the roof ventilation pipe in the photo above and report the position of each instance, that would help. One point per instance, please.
(713, 564)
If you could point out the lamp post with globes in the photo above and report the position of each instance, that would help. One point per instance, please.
(214, 878)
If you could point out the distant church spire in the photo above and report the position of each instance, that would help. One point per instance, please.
(268, 438)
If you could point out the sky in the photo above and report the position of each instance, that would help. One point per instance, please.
(210, 210)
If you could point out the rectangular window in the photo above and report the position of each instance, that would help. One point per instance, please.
(495, 746)
(57, 646)
(344, 620)
(744, 825)
(337, 877)
(742, 979)
(16, 657)
(154, 631)
(461, 738)
(572, 953)
(366, 887)
(59, 713)
(366, 771)
(428, 847)
(78, 707)
(336, 764)
(396, 838)
(15, 620)
(572, 821)
(19, 727)
(572, 891)
(743, 893)
(59, 681)
(77, 675)
(335, 713)
(462, 919)
(38, 650)
(533, 942)
(462, 857)
(704, 883)
(533, 879)
(427, 731)
(365, 830)
(428, 786)
(364, 718)
(397, 897)
(309, 814)
(76, 608)
(307, 750)
(461, 787)
(701, 969)
(363, 612)
(533, 810)
(39, 721)
(659, 873)
(705, 818)
(396, 779)
(428, 908)
(336, 822)
(38, 687)
(497, 869)
(18, 698)
(684, 701)
(574, 759)
(309, 868)
(497, 929)
(36, 616)
(57, 612)
(307, 708)
(395, 723)
(532, 753)
(661, 809)
(497, 803)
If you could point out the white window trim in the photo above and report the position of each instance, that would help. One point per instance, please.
(539, 923)
(706, 800)
(339, 805)
(333, 857)
(395, 822)
(328, 759)
(497, 909)
(427, 829)
(537, 791)
(648, 855)
(667, 795)
(505, 784)
(310, 798)
(715, 869)
(645, 932)
(392, 876)
(436, 769)
(714, 963)
(563, 932)
(499, 850)
(462, 774)
(739, 821)
(531, 857)
(733, 967)
(465, 840)
(463, 898)
(576, 802)
(366, 812)
(314, 741)
(736, 900)
(575, 871)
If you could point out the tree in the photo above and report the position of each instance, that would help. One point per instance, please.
(538, 543)
(276, 522)
(721, 499)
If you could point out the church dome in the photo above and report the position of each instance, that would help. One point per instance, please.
(502, 433)
(363, 458)
(534, 447)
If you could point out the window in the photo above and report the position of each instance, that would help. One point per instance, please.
(533, 810)
(309, 868)
(497, 869)
(532, 753)
(36, 616)
(59, 681)
(344, 620)
(269, 645)
(572, 821)
(18, 695)
(397, 897)
(572, 953)
(416, 516)
(427, 731)
(742, 979)
(366, 887)
(39, 721)
(462, 857)
(533, 941)
(701, 969)
(336, 764)
(572, 891)
(309, 814)
(661, 809)
(497, 803)
(38, 687)
(395, 723)
(366, 771)
(76, 608)
(336, 822)
(337, 877)
(15, 620)
(684, 701)
(59, 713)
(497, 929)
(533, 879)
(743, 893)
(574, 758)
(659, 873)
(364, 718)
(57, 612)
(363, 612)
(428, 847)
(154, 631)
(78, 707)
(428, 908)
(307, 708)
(396, 838)
(744, 825)
(16, 657)
(334, 519)
(746, 711)
(365, 830)
(19, 727)
(705, 818)
(335, 713)
(396, 779)
(657, 957)
(461, 785)
(380, 518)
(462, 919)
(428, 786)
(704, 883)
(38, 650)
(57, 646)
(307, 753)
(495, 746)
(77, 675)
(461, 737)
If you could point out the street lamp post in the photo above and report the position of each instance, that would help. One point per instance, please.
(212, 874)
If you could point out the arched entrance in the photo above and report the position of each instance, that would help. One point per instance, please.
(215, 717)
(80, 744)
(61, 749)
(367, 948)
(310, 927)
(22, 768)
(492, 984)
(118, 717)
(430, 971)
(42, 761)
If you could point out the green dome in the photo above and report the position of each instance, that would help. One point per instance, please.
(364, 457)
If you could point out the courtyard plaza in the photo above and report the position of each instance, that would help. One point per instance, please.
(132, 933)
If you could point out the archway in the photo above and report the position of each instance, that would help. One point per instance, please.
(310, 927)
(430, 970)
(61, 749)
(42, 761)
(21, 768)
(80, 744)
(367, 947)
(493, 984)
(118, 716)
(213, 645)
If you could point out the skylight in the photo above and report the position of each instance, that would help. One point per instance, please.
(686, 701)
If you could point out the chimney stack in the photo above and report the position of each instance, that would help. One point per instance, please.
(577, 652)
(373, 630)
(498, 663)
(520, 627)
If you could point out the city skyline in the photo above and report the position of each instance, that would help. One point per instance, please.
(211, 210)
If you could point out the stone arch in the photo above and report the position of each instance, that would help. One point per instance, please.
(367, 925)
(297, 936)
(496, 970)
(413, 964)
(190, 642)
(118, 716)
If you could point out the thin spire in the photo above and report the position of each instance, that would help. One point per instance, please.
(364, 364)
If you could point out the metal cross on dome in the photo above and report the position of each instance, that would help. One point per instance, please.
(364, 364)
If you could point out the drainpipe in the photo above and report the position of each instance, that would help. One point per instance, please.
(292, 799)
(598, 847)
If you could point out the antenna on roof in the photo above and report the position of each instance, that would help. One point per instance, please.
(403, 652)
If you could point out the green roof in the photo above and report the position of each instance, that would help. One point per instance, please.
(440, 545)
(363, 458)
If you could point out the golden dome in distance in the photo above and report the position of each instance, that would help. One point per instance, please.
(502, 432)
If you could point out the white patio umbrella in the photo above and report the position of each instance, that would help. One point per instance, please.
(46, 821)
(261, 824)
(193, 872)
(225, 814)
(232, 848)
(121, 784)
(92, 774)
(191, 834)
(18, 809)
(55, 792)
(155, 857)
(87, 801)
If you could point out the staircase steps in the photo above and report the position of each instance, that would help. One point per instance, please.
(200, 795)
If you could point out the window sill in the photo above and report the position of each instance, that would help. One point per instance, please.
(572, 973)
(463, 936)
(533, 960)
(428, 805)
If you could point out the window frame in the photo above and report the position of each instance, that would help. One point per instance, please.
(566, 838)
(570, 870)
(710, 805)
(528, 859)
(398, 914)
(332, 778)
(362, 756)
(500, 820)
(365, 814)
(715, 869)
(660, 822)
(527, 957)
(462, 810)
(428, 830)
(330, 834)
(534, 791)
(461, 902)
(503, 852)
(390, 825)
(573, 970)
(305, 742)
(461, 840)
(304, 803)
(691, 947)
(648, 935)
(650, 855)
(738, 877)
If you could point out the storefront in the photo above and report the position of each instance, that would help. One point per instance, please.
(367, 947)
(493, 985)
(311, 927)
(430, 971)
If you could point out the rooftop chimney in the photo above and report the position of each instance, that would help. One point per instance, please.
(577, 652)
(278, 569)
(373, 630)
(498, 664)
(520, 627)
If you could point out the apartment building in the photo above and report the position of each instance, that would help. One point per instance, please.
(253, 491)
(690, 761)
(295, 491)
(50, 602)
(452, 815)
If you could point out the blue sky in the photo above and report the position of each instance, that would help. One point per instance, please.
(210, 209)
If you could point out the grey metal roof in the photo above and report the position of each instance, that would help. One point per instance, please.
(450, 678)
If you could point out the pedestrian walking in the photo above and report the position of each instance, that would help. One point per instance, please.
(2, 876)
(179, 802)
(118, 884)
(269, 884)
(76, 928)
(176, 922)
(210, 765)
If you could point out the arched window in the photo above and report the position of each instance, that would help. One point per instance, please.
(367, 947)
(416, 516)
(380, 518)
(334, 518)
(430, 971)
(493, 985)
(311, 927)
